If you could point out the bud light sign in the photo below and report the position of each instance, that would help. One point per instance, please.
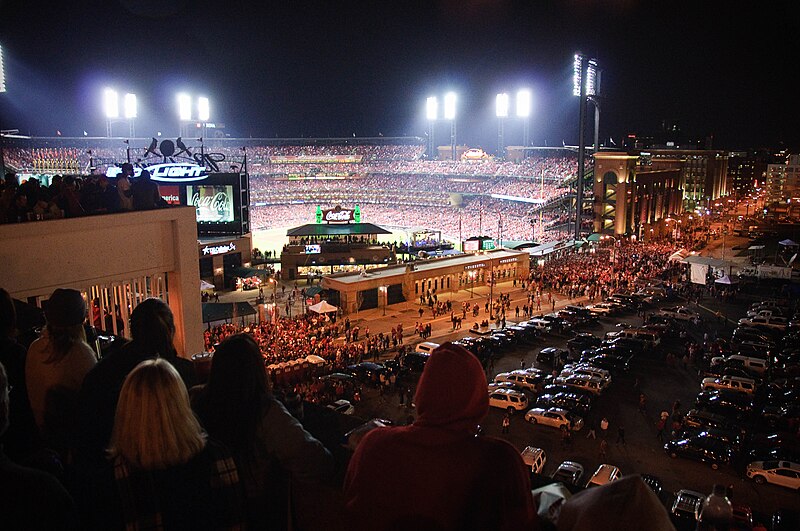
(170, 172)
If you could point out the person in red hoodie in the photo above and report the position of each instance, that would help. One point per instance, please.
(438, 473)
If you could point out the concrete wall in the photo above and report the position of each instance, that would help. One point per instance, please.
(82, 253)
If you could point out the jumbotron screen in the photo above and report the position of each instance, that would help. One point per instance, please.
(214, 203)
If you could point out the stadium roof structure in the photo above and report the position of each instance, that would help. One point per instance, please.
(338, 229)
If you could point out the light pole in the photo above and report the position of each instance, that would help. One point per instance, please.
(111, 108)
(382, 290)
(431, 113)
(184, 111)
(501, 110)
(450, 114)
(584, 85)
(524, 112)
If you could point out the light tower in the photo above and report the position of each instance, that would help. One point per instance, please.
(524, 112)
(501, 110)
(450, 114)
(431, 113)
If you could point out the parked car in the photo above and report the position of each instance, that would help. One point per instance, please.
(686, 505)
(605, 473)
(680, 313)
(603, 309)
(587, 369)
(725, 398)
(703, 449)
(508, 399)
(587, 383)
(368, 372)
(554, 417)
(534, 458)
(733, 383)
(552, 355)
(653, 482)
(415, 361)
(783, 473)
(581, 342)
(342, 406)
(577, 403)
(529, 380)
(569, 473)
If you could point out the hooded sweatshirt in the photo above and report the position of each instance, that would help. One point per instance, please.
(437, 474)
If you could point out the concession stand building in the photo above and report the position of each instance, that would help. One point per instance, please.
(377, 288)
(337, 242)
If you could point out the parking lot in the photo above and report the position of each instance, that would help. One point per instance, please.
(642, 452)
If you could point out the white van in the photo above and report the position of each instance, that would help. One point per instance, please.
(774, 322)
(427, 347)
(756, 365)
(534, 458)
(734, 383)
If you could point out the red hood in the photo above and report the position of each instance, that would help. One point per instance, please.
(452, 390)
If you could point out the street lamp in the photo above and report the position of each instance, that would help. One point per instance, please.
(501, 110)
(431, 113)
(450, 114)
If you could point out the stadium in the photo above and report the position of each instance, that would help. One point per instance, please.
(391, 179)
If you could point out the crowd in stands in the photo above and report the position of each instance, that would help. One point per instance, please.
(74, 196)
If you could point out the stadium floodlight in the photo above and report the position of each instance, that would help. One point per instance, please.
(501, 105)
(591, 78)
(523, 103)
(450, 106)
(432, 108)
(110, 103)
(184, 107)
(129, 106)
(2, 72)
(577, 74)
(203, 109)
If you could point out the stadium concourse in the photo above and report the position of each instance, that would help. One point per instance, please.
(396, 186)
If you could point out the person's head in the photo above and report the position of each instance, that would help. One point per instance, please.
(153, 327)
(103, 182)
(65, 312)
(8, 315)
(145, 175)
(154, 427)
(452, 390)
(236, 391)
(4, 401)
(127, 169)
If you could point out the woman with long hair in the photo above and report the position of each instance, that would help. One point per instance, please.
(270, 446)
(55, 367)
(167, 474)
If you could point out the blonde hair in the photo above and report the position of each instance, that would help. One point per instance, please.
(154, 426)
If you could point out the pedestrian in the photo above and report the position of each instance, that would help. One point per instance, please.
(642, 404)
(662, 423)
(506, 422)
(604, 428)
(522, 363)
(621, 435)
(591, 434)
(603, 449)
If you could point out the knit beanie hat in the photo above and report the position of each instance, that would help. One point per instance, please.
(65, 307)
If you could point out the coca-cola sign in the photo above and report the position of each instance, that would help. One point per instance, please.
(213, 203)
(338, 215)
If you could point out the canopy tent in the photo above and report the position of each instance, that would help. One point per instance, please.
(336, 229)
(323, 307)
(594, 237)
(679, 255)
(206, 285)
(727, 280)
(221, 311)
(315, 360)
(788, 243)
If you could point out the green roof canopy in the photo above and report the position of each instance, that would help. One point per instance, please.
(333, 229)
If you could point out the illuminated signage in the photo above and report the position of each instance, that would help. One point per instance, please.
(171, 172)
(219, 249)
(339, 215)
(313, 249)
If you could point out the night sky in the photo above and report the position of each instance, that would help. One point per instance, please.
(328, 68)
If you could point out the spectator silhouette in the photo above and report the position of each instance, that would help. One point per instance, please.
(29, 498)
(164, 474)
(440, 473)
(145, 193)
(269, 445)
(153, 330)
(55, 368)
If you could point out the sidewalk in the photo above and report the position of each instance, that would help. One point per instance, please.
(383, 320)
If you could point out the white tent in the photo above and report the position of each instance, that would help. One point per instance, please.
(725, 279)
(323, 307)
(315, 360)
(787, 243)
(205, 285)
